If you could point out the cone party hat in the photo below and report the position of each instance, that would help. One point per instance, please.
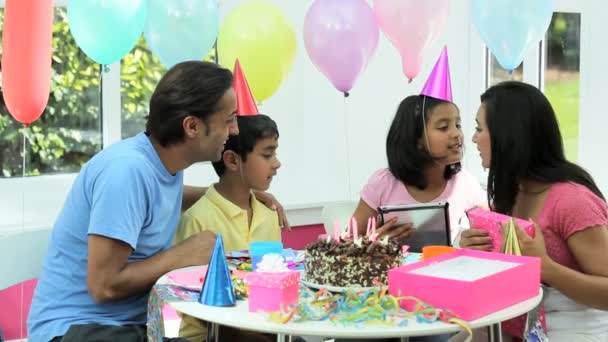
(217, 289)
(438, 85)
(245, 101)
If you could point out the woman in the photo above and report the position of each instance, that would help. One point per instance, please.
(519, 140)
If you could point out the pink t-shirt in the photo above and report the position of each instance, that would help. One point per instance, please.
(569, 208)
(462, 192)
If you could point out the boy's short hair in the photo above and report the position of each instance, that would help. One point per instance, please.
(252, 128)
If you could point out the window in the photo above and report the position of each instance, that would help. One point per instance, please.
(497, 74)
(562, 76)
(68, 133)
(140, 72)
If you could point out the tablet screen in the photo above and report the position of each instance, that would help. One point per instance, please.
(430, 221)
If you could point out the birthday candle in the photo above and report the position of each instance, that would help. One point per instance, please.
(369, 227)
(373, 225)
(373, 237)
(349, 227)
(355, 229)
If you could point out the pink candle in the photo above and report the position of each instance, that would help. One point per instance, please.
(373, 225)
(369, 227)
(355, 229)
(349, 227)
(373, 237)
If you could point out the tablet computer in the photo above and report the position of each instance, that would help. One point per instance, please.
(431, 222)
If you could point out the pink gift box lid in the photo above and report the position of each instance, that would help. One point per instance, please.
(279, 280)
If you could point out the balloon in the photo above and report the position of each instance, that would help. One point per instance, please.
(412, 26)
(340, 37)
(181, 30)
(27, 41)
(510, 27)
(259, 35)
(106, 29)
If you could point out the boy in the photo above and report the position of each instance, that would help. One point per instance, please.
(249, 162)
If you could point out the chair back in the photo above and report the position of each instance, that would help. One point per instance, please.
(339, 212)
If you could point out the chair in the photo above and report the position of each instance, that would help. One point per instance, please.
(339, 212)
(21, 257)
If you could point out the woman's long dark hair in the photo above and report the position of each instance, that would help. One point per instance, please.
(406, 161)
(526, 143)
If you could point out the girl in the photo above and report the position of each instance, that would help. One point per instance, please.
(424, 150)
(519, 140)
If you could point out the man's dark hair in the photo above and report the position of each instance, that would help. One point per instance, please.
(252, 129)
(189, 88)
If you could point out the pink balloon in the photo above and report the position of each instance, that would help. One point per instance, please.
(340, 37)
(412, 26)
(26, 59)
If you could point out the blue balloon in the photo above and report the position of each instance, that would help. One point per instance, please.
(510, 27)
(106, 30)
(181, 30)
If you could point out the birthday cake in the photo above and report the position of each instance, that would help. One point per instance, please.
(342, 261)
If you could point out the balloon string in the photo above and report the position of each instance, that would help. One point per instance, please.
(21, 285)
(102, 69)
(346, 136)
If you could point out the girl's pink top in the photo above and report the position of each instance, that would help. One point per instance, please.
(462, 192)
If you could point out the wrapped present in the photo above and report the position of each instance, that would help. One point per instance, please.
(470, 283)
(272, 287)
(492, 222)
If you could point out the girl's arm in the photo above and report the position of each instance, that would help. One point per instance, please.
(362, 213)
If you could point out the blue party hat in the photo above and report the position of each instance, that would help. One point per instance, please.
(217, 288)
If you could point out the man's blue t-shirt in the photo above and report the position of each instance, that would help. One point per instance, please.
(127, 194)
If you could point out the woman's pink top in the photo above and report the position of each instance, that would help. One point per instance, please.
(569, 208)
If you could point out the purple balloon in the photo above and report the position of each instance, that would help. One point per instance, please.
(341, 37)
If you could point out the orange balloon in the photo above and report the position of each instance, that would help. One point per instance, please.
(26, 57)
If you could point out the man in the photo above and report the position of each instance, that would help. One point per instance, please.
(112, 240)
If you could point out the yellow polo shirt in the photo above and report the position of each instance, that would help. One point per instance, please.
(215, 213)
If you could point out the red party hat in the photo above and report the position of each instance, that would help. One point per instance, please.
(244, 99)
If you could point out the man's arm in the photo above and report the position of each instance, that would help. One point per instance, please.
(111, 277)
(191, 195)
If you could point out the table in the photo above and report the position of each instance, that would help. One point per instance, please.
(240, 317)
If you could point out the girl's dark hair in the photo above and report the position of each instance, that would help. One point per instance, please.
(405, 160)
(526, 143)
(189, 88)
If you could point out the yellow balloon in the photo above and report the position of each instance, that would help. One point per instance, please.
(261, 37)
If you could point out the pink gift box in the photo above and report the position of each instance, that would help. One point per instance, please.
(491, 221)
(495, 281)
(271, 292)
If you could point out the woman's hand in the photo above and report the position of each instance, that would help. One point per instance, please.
(476, 239)
(394, 231)
(532, 246)
(272, 203)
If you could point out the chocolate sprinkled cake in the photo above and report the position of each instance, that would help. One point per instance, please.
(348, 263)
